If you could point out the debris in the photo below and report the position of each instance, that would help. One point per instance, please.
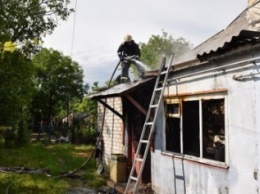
(24, 170)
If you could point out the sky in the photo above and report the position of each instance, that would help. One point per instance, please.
(92, 35)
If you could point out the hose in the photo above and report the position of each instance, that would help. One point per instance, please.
(100, 135)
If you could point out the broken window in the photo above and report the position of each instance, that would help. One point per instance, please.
(196, 127)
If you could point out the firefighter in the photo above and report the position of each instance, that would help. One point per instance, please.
(129, 53)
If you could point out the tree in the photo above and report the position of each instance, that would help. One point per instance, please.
(23, 23)
(26, 21)
(15, 92)
(162, 45)
(58, 80)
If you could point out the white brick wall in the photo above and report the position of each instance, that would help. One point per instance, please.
(112, 130)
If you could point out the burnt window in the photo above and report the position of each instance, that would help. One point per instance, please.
(196, 127)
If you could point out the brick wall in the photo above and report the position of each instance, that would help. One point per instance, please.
(112, 130)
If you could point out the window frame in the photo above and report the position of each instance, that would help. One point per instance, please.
(200, 98)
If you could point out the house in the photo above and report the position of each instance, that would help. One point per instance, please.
(206, 138)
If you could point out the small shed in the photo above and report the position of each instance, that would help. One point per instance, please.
(121, 114)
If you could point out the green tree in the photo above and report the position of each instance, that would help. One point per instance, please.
(16, 90)
(58, 81)
(162, 45)
(27, 21)
(23, 23)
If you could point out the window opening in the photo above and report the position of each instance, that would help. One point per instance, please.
(173, 135)
(213, 129)
(194, 124)
(191, 128)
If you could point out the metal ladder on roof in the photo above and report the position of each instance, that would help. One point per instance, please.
(148, 127)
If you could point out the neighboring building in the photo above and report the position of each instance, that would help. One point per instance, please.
(207, 134)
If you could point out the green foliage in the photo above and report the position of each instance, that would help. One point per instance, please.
(23, 132)
(159, 46)
(9, 135)
(110, 83)
(24, 21)
(58, 80)
(16, 90)
(86, 132)
(16, 72)
(85, 105)
(95, 86)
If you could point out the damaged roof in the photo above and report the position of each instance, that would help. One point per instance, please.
(244, 28)
(120, 89)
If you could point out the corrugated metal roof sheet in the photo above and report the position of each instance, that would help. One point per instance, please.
(120, 89)
(239, 29)
(242, 38)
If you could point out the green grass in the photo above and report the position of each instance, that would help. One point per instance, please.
(57, 159)
(26, 184)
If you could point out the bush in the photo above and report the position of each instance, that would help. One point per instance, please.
(86, 136)
(9, 135)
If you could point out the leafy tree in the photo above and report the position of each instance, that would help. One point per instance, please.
(14, 96)
(22, 25)
(26, 21)
(58, 80)
(16, 90)
(162, 45)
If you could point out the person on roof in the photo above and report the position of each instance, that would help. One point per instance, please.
(129, 53)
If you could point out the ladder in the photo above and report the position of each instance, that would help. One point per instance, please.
(148, 127)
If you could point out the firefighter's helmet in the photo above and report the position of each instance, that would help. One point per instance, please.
(128, 38)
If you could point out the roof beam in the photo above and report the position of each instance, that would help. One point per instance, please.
(136, 104)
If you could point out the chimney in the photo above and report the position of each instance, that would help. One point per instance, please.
(251, 2)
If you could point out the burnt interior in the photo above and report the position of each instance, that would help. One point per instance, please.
(213, 128)
(134, 119)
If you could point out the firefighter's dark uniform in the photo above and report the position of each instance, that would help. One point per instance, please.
(129, 48)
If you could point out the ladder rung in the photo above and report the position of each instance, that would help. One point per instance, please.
(154, 106)
(139, 159)
(158, 89)
(163, 72)
(149, 123)
(134, 178)
(144, 141)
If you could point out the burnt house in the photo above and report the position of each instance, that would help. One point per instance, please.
(206, 138)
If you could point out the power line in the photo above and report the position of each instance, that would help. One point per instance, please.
(73, 30)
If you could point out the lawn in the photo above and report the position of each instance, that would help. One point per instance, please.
(53, 160)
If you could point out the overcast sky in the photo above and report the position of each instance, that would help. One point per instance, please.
(100, 25)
